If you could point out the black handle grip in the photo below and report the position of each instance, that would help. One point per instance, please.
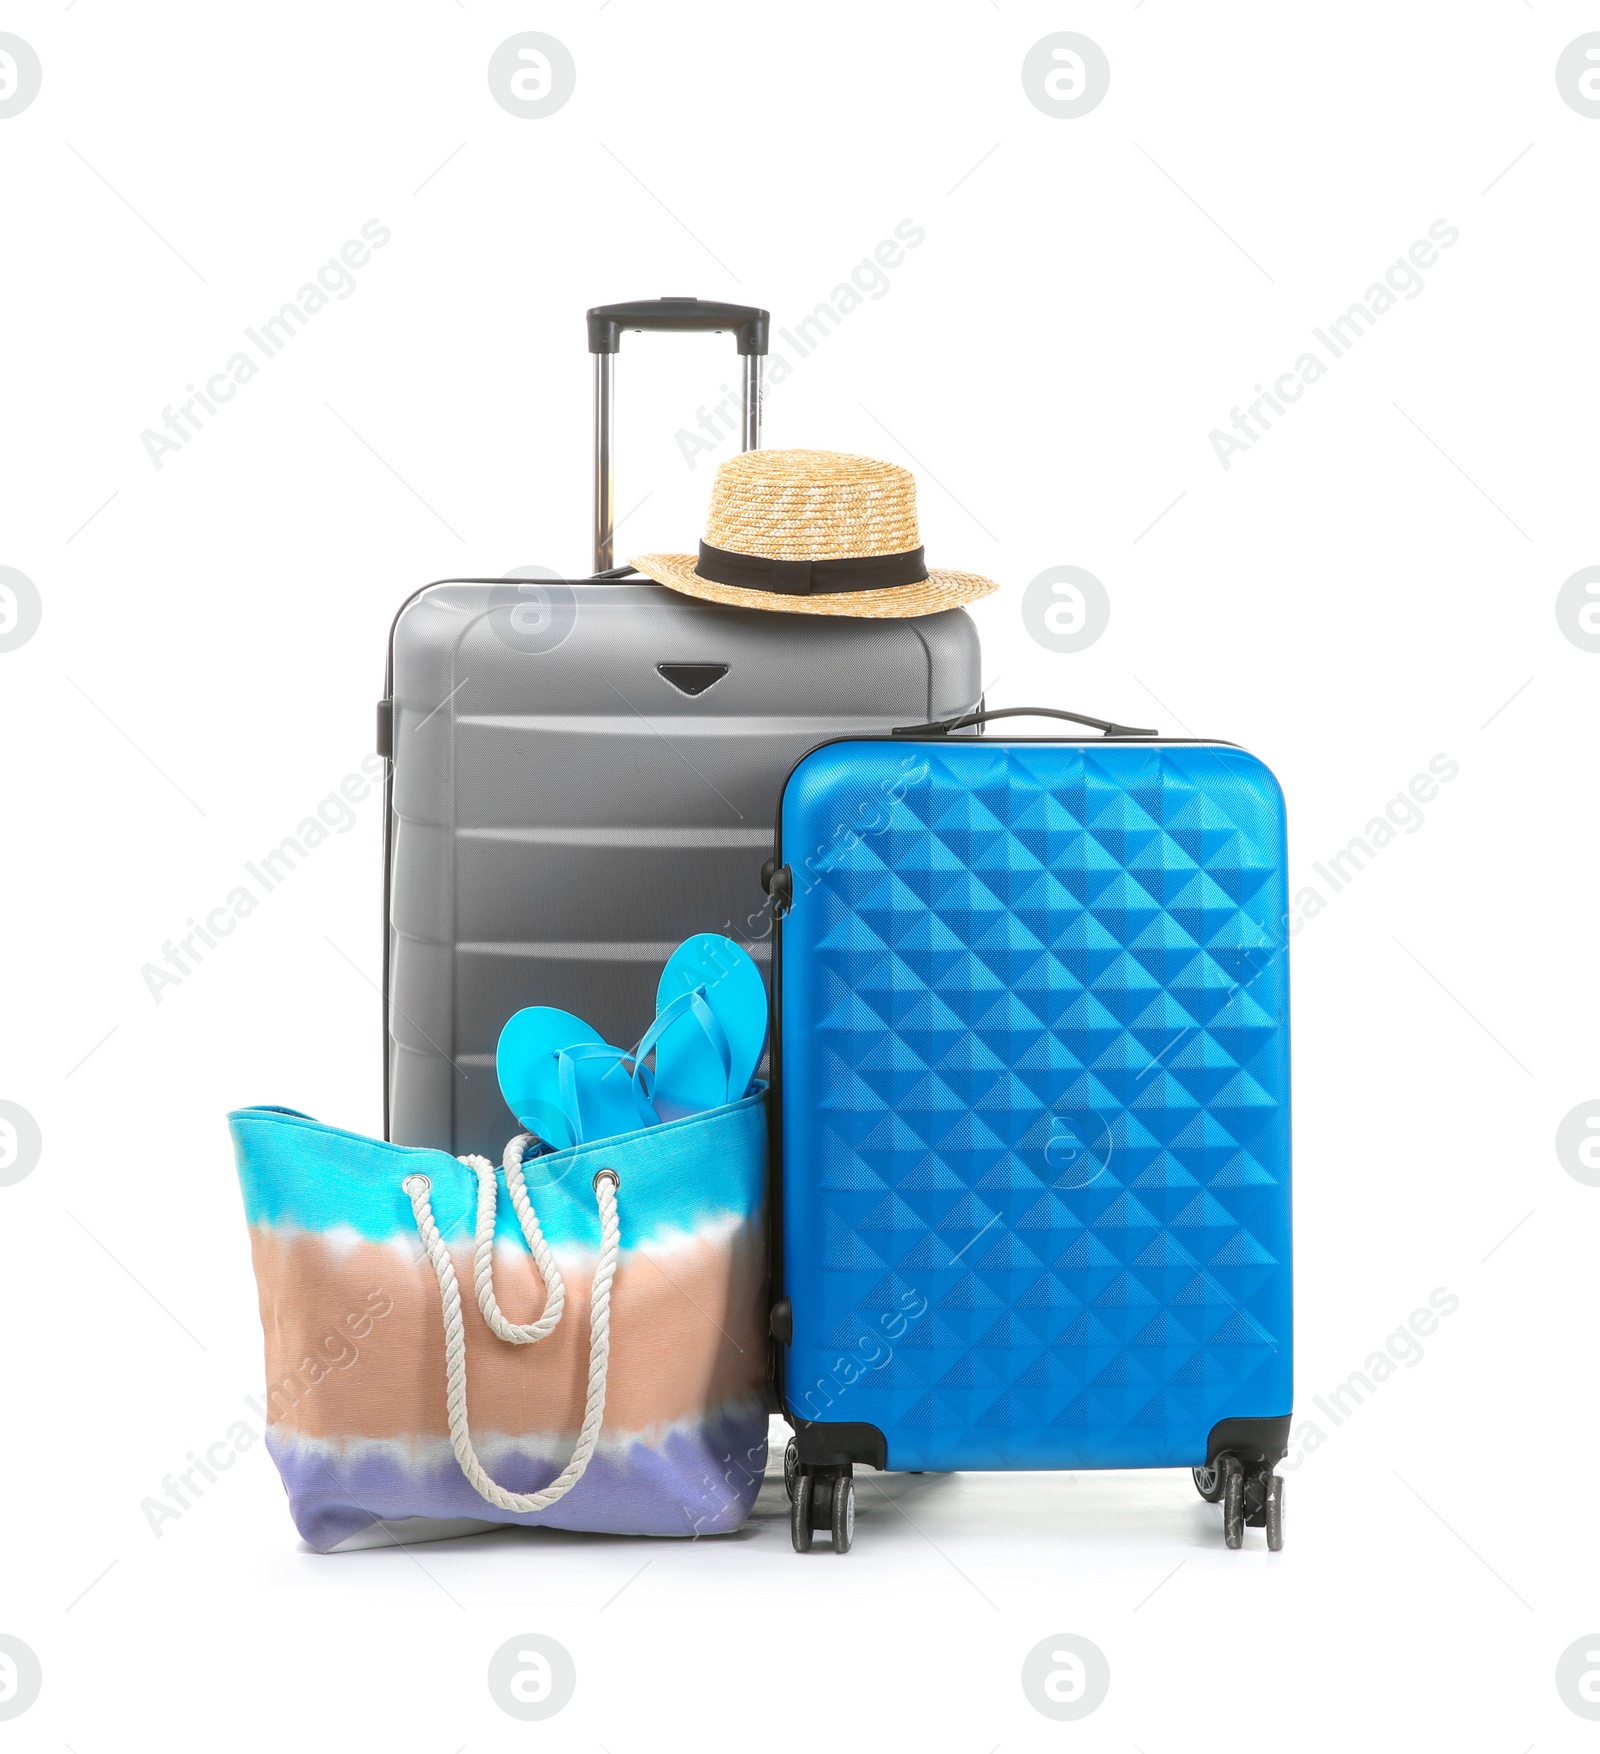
(677, 316)
(942, 727)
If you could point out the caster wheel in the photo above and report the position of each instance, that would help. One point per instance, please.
(800, 1513)
(1208, 1481)
(1274, 1514)
(1255, 1500)
(791, 1466)
(1232, 1501)
(844, 1514)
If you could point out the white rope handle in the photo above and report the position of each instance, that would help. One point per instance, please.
(555, 1291)
(606, 1183)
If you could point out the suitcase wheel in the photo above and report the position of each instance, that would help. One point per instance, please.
(1255, 1499)
(1274, 1514)
(1251, 1499)
(1208, 1482)
(791, 1461)
(800, 1525)
(1232, 1500)
(844, 1514)
(824, 1498)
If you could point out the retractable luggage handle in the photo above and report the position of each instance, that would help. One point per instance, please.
(676, 316)
(942, 727)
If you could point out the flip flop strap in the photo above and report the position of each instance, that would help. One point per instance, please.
(567, 1079)
(693, 1004)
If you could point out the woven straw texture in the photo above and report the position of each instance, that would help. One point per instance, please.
(815, 505)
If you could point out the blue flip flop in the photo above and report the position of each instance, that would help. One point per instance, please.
(564, 1083)
(710, 1027)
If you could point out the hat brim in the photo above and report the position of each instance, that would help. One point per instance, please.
(939, 590)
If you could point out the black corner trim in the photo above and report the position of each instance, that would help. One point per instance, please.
(1261, 1442)
(827, 1446)
(386, 728)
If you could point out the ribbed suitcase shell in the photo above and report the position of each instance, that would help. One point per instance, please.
(1034, 1085)
(561, 816)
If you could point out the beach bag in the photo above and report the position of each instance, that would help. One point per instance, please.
(574, 1339)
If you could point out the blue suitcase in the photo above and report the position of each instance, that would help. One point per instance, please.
(1031, 1054)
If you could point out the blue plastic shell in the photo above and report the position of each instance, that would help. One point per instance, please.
(1034, 1065)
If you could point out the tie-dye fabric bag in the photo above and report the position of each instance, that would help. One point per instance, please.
(575, 1339)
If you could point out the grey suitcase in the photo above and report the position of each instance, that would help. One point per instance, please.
(583, 773)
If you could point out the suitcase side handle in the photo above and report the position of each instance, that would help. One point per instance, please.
(943, 727)
(673, 316)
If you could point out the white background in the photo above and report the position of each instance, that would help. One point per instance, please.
(1370, 585)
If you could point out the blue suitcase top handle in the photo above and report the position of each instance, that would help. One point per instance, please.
(942, 727)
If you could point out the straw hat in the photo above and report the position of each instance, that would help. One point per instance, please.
(814, 533)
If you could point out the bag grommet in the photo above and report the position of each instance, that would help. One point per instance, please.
(616, 1180)
(415, 1184)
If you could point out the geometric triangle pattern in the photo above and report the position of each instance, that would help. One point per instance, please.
(1034, 1058)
